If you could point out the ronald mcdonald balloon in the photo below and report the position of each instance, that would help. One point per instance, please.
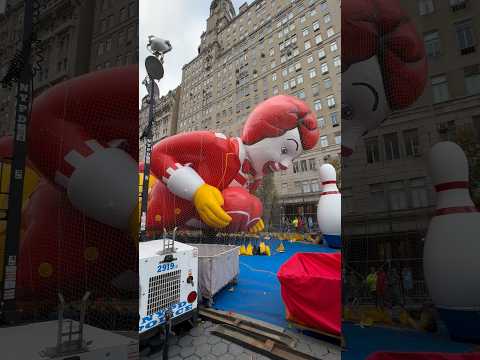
(80, 191)
(205, 179)
(384, 67)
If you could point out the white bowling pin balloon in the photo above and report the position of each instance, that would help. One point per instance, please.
(329, 209)
(452, 244)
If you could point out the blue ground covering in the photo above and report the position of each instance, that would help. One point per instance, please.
(258, 291)
(258, 295)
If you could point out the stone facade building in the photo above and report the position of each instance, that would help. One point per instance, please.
(72, 34)
(166, 115)
(388, 198)
(270, 47)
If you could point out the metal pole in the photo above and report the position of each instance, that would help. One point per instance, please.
(146, 164)
(14, 211)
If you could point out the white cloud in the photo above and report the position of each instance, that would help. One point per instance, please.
(179, 21)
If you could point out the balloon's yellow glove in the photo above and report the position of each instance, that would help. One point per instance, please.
(259, 226)
(208, 201)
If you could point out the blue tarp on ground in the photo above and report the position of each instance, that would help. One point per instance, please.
(258, 291)
(257, 295)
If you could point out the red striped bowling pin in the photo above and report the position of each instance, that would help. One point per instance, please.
(452, 244)
(329, 209)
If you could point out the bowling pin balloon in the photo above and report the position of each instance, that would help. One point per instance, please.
(329, 209)
(452, 244)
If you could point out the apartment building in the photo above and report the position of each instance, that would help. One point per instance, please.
(388, 198)
(166, 115)
(269, 47)
(115, 34)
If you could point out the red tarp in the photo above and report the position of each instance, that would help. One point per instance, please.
(311, 284)
(422, 356)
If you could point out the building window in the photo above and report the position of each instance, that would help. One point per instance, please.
(274, 77)
(123, 14)
(321, 54)
(323, 141)
(310, 59)
(131, 9)
(472, 80)
(377, 198)
(330, 32)
(295, 167)
(337, 62)
(305, 32)
(298, 66)
(315, 186)
(308, 45)
(465, 37)
(315, 89)
(412, 146)
(101, 48)
(432, 44)
(318, 39)
(285, 72)
(272, 51)
(373, 150)
(331, 101)
(285, 85)
(299, 79)
(301, 95)
(312, 73)
(324, 6)
(338, 138)
(324, 68)
(316, 26)
(327, 83)
(293, 83)
(418, 193)
(327, 18)
(108, 45)
(303, 165)
(425, 7)
(312, 164)
(333, 46)
(317, 104)
(440, 89)
(321, 122)
(392, 150)
(334, 119)
(275, 90)
(302, 19)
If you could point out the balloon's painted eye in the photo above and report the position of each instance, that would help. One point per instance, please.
(284, 150)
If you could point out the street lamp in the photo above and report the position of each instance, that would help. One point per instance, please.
(154, 66)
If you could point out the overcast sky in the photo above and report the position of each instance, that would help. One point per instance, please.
(180, 21)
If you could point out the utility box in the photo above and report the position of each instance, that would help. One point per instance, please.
(168, 272)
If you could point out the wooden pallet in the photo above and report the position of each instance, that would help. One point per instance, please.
(336, 338)
(252, 326)
(263, 345)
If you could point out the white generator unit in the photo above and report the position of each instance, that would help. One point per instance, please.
(168, 272)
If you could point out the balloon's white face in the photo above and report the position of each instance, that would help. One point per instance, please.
(364, 103)
(274, 154)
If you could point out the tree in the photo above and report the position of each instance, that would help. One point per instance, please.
(468, 141)
(267, 194)
(336, 163)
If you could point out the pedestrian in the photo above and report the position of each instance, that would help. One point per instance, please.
(353, 286)
(407, 280)
(310, 224)
(394, 287)
(381, 285)
(372, 284)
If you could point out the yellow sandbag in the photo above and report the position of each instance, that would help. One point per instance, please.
(249, 251)
(267, 250)
(243, 251)
(262, 248)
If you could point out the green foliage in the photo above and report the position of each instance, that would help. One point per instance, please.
(468, 141)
